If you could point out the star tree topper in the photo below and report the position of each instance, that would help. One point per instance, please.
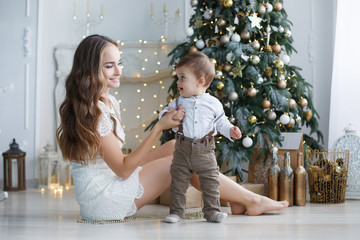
(255, 21)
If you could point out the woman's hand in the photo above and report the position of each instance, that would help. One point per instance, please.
(171, 119)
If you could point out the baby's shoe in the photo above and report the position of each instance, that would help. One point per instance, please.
(218, 217)
(172, 218)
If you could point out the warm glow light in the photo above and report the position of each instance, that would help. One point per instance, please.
(139, 108)
(146, 60)
(158, 63)
(143, 68)
(136, 136)
(161, 105)
(155, 112)
(153, 146)
(119, 101)
(156, 71)
(145, 84)
(116, 93)
(124, 109)
(142, 99)
(137, 116)
(138, 90)
(140, 51)
(155, 53)
(143, 125)
(155, 96)
(160, 82)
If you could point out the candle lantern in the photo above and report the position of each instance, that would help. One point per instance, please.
(49, 171)
(14, 168)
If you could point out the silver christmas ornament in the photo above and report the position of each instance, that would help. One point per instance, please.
(233, 96)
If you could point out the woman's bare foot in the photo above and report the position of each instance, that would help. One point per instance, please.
(261, 204)
(237, 209)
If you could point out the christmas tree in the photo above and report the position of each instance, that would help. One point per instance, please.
(250, 44)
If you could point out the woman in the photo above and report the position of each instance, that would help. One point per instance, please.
(110, 185)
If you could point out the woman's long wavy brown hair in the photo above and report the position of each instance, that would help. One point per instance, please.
(77, 134)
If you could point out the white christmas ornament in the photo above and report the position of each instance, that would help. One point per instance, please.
(230, 57)
(260, 80)
(281, 29)
(269, 7)
(207, 14)
(284, 119)
(200, 44)
(189, 32)
(261, 9)
(285, 58)
(235, 37)
(247, 142)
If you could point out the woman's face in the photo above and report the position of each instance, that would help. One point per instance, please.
(111, 66)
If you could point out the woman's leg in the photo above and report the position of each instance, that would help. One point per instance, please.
(155, 178)
(242, 200)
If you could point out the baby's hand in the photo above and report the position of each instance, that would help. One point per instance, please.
(180, 114)
(235, 132)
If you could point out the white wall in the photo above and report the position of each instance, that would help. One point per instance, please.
(344, 106)
(312, 32)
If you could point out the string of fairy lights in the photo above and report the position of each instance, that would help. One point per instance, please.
(149, 76)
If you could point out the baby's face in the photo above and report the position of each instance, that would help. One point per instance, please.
(188, 84)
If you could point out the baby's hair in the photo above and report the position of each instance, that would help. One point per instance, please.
(199, 64)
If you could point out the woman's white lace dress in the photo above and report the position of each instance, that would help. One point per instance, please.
(101, 194)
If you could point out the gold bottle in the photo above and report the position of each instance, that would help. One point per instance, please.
(300, 181)
(286, 177)
(273, 177)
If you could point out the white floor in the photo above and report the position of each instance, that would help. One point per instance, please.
(31, 214)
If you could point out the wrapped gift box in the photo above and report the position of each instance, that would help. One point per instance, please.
(193, 198)
(291, 142)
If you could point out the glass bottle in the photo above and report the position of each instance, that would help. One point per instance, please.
(300, 181)
(286, 178)
(273, 177)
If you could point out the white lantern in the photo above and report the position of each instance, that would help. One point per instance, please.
(49, 171)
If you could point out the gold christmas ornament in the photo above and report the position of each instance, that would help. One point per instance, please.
(219, 74)
(266, 104)
(220, 85)
(173, 74)
(194, 3)
(240, 15)
(268, 49)
(270, 115)
(303, 102)
(252, 119)
(281, 84)
(251, 92)
(255, 45)
(227, 68)
(254, 59)
(228, 3)
(292, 103)
(279, 64)
(268, 72)
(308, 115)
(276, 48)
(213, 60)
(224, 39)
(232, 120)
(192, 49)
(237, 70)
(291, 122)
(277, 6)
(221, 22)
(245, 35)
(233, 96)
